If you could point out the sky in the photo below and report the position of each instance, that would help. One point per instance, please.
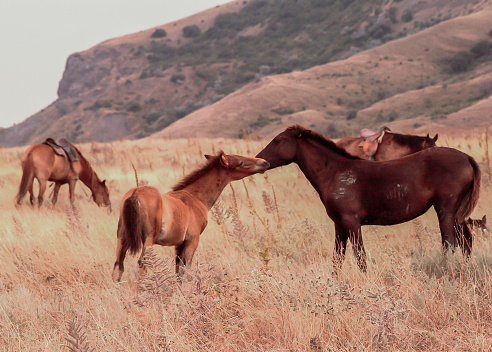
(37, 36)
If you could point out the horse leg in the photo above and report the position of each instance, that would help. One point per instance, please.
(42, 189)
(142, 269)
(358, 246)
(71, 189)
(31, 193)
(465, 239)
(56, 189)
(447, 227)
(340, 248)
(121, 250)
(184, 255)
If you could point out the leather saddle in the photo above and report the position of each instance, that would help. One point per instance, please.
(63, 148)
(371, 140)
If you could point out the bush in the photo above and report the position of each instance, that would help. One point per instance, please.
(482, 48)
(192, 31)
(352, 114)
(461, 62)
(407, 16)
(159, 33)
(177, 77)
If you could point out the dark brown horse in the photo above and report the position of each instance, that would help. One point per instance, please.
(358, 192)
(385, 145)
(40, 162)
(178, 217)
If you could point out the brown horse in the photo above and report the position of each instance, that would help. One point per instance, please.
(358, 192)
(178, 217)
(40, 162)
(386, 145)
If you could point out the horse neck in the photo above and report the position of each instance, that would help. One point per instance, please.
(310, 156)
(208, 188)
(87, 175)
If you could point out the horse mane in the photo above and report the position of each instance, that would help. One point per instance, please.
(322, 140)
(88, 168)
(211, 164)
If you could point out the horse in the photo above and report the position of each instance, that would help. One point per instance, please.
(40, 162)
(358, 192)
(478, 224)
(385, 145)
(178, 217)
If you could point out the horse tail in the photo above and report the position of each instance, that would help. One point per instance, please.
(132, 225)
(27, 177)
(470, 199)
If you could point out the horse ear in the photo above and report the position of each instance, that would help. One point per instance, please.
(224, 160)
(104, 182)
(484, 219)
(435, 138)
(208, 157)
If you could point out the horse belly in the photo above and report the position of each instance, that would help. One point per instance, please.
(396, 206)
(170, 235)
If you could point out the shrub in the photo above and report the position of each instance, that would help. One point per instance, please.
(159, 33)
(461, 62)
(177, 77)
(192, 31)
(407, 16)
(352, 114)
(482, 48)
(134, 107)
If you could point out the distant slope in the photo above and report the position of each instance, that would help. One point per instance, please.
(248, 67)
(402, 83)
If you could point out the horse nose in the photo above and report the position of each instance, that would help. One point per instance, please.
(263, 164)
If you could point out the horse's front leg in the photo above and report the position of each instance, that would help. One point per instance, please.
(184, 254)
(71, 189)
(355, 236)
(340, 248)
(56, 189)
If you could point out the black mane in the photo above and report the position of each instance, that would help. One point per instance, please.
(322, 140)
(407, 140)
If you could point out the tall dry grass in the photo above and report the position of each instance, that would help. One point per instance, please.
(261, 279)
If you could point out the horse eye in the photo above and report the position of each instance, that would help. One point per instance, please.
(241, 163)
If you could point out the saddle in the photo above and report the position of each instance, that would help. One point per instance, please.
(63, 148)
(371, 140)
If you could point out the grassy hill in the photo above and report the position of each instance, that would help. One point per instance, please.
(299, 54)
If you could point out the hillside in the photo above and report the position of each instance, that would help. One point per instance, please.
(249, 67)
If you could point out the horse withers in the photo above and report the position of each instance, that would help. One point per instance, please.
(178, 217)
(41, 162)
(358, 192)
(384, 144)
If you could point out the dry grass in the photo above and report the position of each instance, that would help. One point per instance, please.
(261, 279)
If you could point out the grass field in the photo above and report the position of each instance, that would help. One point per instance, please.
(261, 279)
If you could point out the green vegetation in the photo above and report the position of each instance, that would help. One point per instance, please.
(192, 31)
(262, 121)
(100, 104)
(159, 33)
(464, 60)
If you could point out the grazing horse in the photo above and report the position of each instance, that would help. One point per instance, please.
(358, 192)
(41, 162)
(478, 224)
(178, 217)
(385, 145)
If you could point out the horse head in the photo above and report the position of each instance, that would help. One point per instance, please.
(238, 166)
(100, 194)
(429, 142)
(282, 149)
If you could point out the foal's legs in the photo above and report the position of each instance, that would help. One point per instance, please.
(184, 255)
(121, 250)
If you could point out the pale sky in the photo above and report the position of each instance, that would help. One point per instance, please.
(37, 36)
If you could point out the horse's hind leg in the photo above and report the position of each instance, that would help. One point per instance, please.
(42, 189)
(448, 230)
(121, 249)
(56, 189)
(31, 193)
(465, 239)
